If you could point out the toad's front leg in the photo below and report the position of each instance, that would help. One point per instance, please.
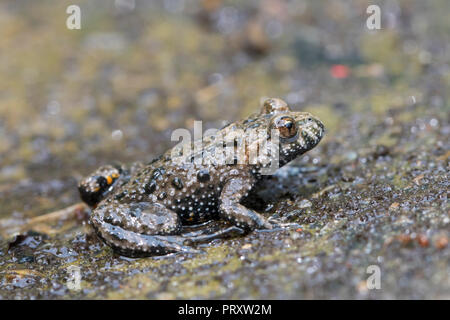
(231, 209)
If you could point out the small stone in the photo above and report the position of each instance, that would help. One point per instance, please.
(418, 178)
(381, 151)
(423, 240)
(394, 206)
(441, 242)
(305, 204)
(352, 155)
(117, 135)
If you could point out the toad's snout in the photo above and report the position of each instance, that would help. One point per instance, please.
(312, 129)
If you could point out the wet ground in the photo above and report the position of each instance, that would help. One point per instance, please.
(373, 193)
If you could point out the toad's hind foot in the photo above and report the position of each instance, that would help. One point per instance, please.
(230, 232)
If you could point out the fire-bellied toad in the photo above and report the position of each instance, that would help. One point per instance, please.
(140, 210)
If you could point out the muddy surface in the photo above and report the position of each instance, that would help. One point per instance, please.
(373, 193)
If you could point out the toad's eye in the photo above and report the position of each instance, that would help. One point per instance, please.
(286, 126)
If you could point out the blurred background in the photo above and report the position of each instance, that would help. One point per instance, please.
(114, 90)
(71, 100)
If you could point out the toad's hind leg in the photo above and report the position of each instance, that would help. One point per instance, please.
(139, 229)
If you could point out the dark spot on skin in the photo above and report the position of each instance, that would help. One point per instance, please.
(109, 219)
(158, 172)
(177, 183)
(134, 213)
(102, 182)
(150, 187)
(162, 195)
(198, 192)
(203, 175)
(120, 195)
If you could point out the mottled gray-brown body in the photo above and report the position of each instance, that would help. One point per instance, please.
(140, 210)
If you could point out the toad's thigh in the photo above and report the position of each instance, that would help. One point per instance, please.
(140, 217)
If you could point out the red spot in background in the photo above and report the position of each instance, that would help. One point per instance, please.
(339, 71)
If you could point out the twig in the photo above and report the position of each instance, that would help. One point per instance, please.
(62, 214)
(8, 228)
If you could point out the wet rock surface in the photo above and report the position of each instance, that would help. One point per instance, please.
(374, 192)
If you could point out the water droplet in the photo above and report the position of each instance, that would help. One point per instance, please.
(117, 135)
